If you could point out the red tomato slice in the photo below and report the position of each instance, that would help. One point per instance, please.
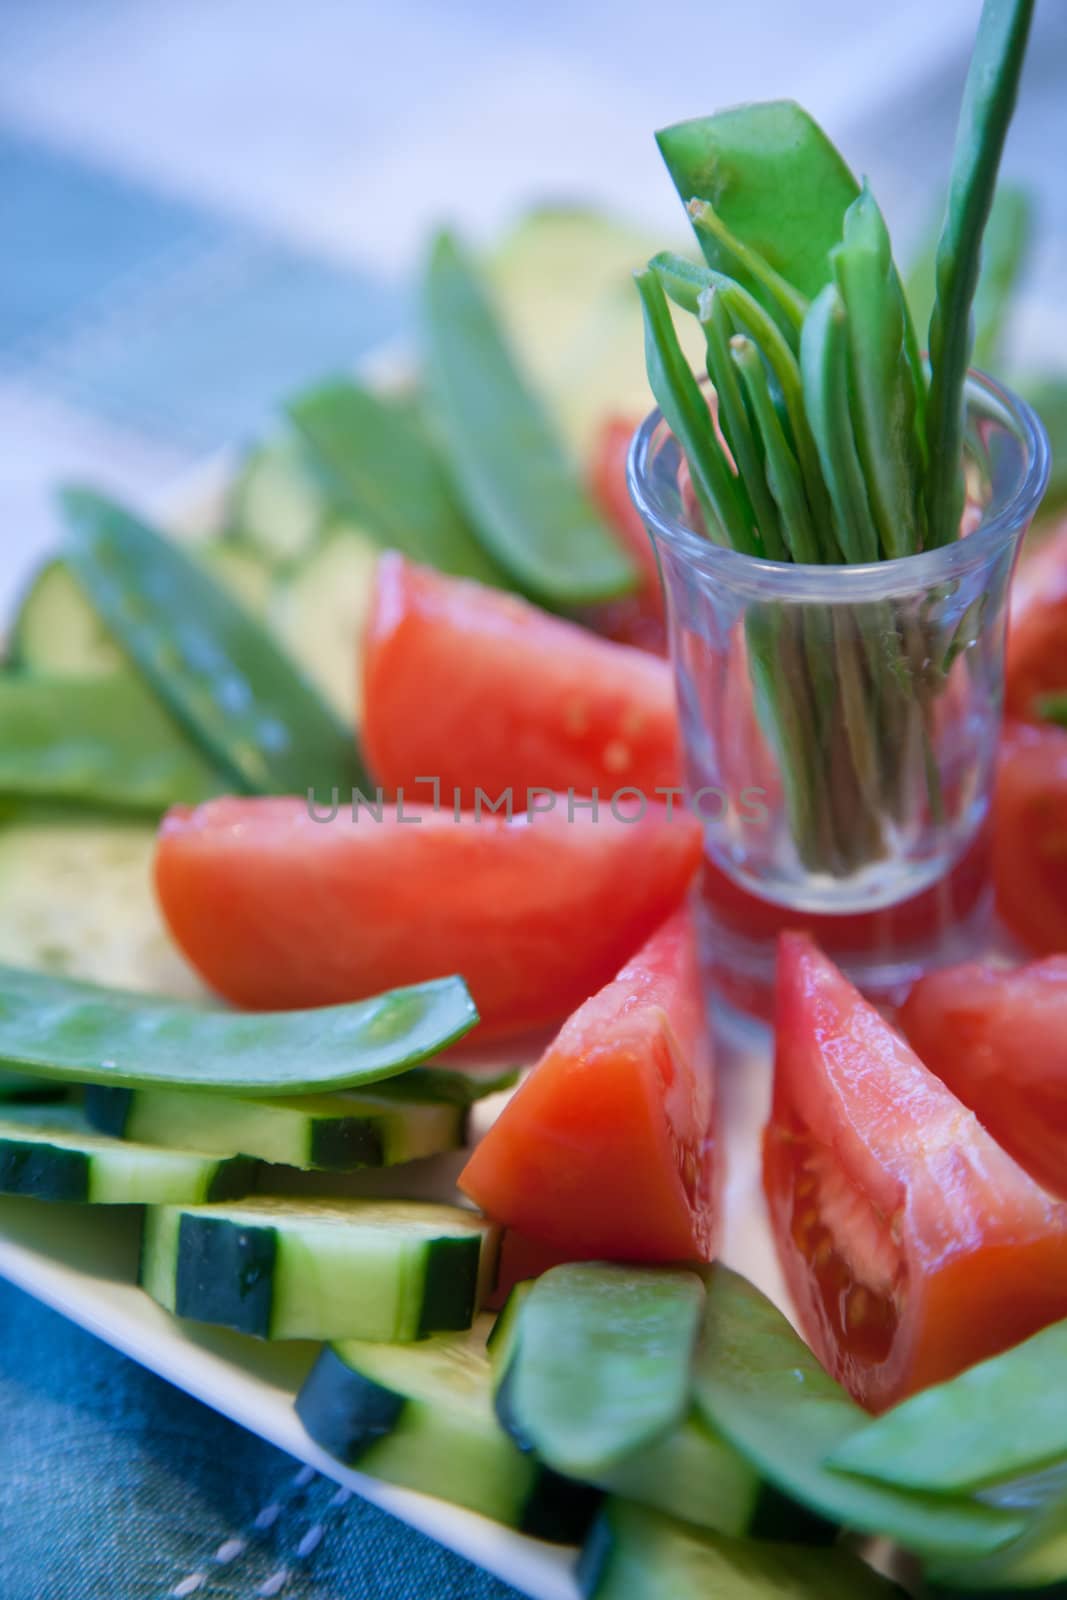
(608, 1148)
(999, 1040)
(612, 495)
(277, 910)
(912, 1244)
(1030, 837)
(480, 689)
(1036, 661)
(519, 1259)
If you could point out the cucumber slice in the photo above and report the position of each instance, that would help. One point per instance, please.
(57, 631)
(352, 1269)
(421, 1416)
(328, 1132)
(16, 1086)
(247, 575)
(77, 901)
(637, 1554)
(50, 1153)
(598, 1363)
(320, 615)
(276, 504)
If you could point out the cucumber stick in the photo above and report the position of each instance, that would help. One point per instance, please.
(56, 630)
(421, 1416)
(332, 1133)
(282, 1269)
(51, 1154)
(637, 1554)
(320, 612)
(276, 505)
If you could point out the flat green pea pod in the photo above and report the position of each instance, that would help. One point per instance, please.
(214, 667)
(784, 477)
(824, 372)
(881, 381)
(774, 180)
(102, 741)
(744, 264)
(1004, 1418)
(381, 472)
(988, 103)
(522, 494)
(72, 1032)
(736, 423)
(759, 1385)
(721, 494)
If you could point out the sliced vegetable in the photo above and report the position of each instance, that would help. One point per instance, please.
(321, 613)
(276, 906)
(100, 740)
(608, 1147)
(212, 665)
(599, 1364)
(1004, 1418)
(1036, 661)
(998, 1038)
(421, 1416)
(913, 1246)
(759, 1386)
(56, 631)
(384, 475)
(773, 178)
(48, 1152)
(79, 1033)
(1029, 837)
(334, 1132)
(481, 690)
(320, 1269)
(1033, 1569)
(636, 1554)
(988, 103)
(276, 504)
(511, 470)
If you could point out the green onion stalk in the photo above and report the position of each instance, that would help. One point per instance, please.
(831, 440)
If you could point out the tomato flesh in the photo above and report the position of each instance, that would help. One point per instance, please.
(912, 1244)
(480, 689)
(639, 619)
(1036, 660)
(278, 910)
(1030, 843)
(607, 1150)
(999, 1040)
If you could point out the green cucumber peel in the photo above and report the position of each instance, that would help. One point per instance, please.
(988, 102)
(71, 1032)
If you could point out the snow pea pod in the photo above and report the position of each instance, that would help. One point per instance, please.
(775, 181)
(759, 1385)
(523, 495)
(382, 472)
(1002, 1419)
(882, 382)
(102, 741)
(744, 264)
(823, 366)
(721, 493)
(73, 1032)
(736, 423)
(214, 667)
(783, 471)
(988, 103)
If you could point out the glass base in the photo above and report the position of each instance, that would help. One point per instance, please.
(883, 952)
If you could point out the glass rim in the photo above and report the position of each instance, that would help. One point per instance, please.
(811, 580)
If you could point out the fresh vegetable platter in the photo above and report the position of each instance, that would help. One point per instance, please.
(358, 1069)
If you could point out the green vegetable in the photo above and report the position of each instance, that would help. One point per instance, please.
(523, 496)
(276, 504)
(774, 180)
(97, 740)
(56, 631)
(824, 369)
(384, 475)
(737, 423)
(213, 666)
(636, 1554)
(320, 615)
(1033, 1569)
(988, 103)
(882, 383)
(757, 1383)
(737, 261)
(783, 470)
(79, 1033)
(722, 497)
(598, 1364)
(1004, 1418)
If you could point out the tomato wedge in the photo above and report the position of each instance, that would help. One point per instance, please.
(912, 1244)
(278, 910)
(1036, 661)
(999, 1040)
(476, 688)
(1030, 837)
(608, 1149)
